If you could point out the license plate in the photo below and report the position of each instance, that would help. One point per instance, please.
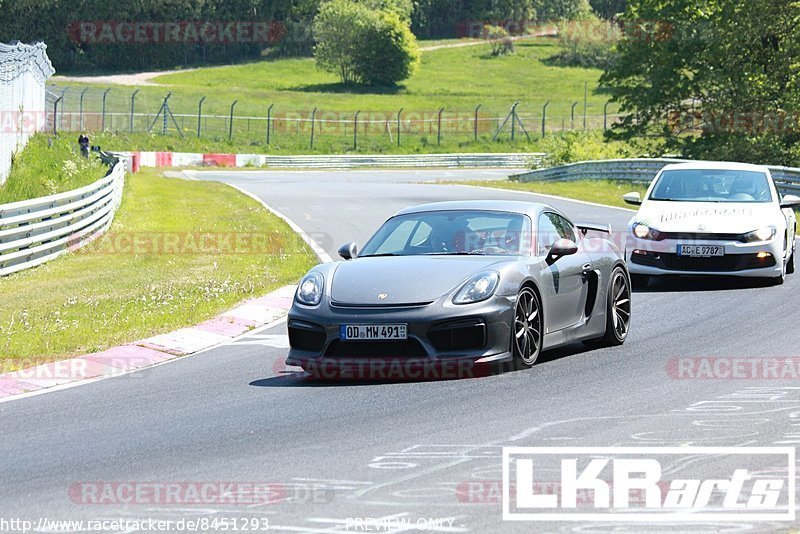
(701, 251)
(372, 332)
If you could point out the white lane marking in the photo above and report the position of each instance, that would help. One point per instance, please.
(276, 342)
(318, 250)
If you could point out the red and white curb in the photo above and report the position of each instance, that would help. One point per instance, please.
(234, 323)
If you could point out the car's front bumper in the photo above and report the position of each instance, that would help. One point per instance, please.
(443, 339)
(763, 259)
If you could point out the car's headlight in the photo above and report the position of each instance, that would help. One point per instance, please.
(762, 234)
(309, 292)
(642, 231)
(479, 287)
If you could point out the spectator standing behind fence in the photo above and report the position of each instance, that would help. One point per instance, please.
(83, 141)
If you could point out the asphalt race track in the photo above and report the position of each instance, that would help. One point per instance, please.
(343, 451)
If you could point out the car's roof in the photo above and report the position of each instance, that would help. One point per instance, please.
(715, 166)
(512, 206)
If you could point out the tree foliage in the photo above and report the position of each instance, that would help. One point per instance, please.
(362, 45)
(711, 77)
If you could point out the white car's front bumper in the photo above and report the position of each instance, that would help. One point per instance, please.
(653, 258)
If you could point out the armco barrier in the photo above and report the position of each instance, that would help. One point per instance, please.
(184, 159)
(787, 179)
(35, 231)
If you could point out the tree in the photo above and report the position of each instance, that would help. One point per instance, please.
(717, 78)
(362, 45)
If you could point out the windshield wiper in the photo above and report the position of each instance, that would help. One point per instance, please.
(472, 253)
(381, 254)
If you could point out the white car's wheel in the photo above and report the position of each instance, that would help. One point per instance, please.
(790, 265)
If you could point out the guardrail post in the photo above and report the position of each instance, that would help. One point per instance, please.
(269, 121)
(398, 126)
(439, 128)
(585, 102)
(313, 122)
(355, 130)
(544, 118)
(230, 121)
(133, 102)
(605, 116)
(199, 114)
(80, 106)
(105, 94)
(475, 128)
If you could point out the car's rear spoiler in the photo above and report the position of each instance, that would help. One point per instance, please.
(586, 227)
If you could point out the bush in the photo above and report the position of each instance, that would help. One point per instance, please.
(364, 46)
(499, 39)
(587, 43)
(584, 146)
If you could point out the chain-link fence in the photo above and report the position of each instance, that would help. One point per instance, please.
(24, 69)
(94, 109)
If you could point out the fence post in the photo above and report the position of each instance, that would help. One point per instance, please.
(103, 127)
(475, 129)
(605, 116)
(514, 120)
(269, 120)
(61, 115)
(230, 122)
(439, 128)
(572, 116)
(313, 121)
(55, 115)
(133, 101)
(355, 130)
(199, 114)
(544, 118)
(80, 106)
(398, 126)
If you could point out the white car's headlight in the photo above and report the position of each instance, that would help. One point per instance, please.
(642, 231)
(309, 292)
(479, 287)
(762, 234)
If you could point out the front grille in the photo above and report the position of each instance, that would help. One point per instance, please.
(409, 348)
(701, 236)
(459, 335)
(306, 336)
(721, 264)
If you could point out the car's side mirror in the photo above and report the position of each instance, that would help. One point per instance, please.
(348, 251)
(632, 198)
(562, 247)
(790, 201)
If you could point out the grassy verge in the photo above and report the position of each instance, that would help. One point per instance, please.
(47, 166)
(608, 192)
(125, 287)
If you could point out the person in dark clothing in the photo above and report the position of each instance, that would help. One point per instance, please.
(83, 141)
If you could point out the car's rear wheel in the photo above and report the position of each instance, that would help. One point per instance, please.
(526, 341)
(618, 309)
(639, 281)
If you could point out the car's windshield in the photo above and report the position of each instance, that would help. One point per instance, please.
(451, 232)
(708, 185)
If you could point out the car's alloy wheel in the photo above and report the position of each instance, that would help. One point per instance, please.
(618, 318)
(527, 331)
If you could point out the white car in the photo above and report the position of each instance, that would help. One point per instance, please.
(704, 218)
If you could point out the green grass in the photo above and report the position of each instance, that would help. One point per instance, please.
(104, 296)
(47, 166)
(456, 79)
(607, 192)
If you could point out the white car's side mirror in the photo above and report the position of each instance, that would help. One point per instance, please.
(790, 201)
(632, 198)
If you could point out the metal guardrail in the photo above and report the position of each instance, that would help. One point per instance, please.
(35, 231)
(787, 179)
(504, 160)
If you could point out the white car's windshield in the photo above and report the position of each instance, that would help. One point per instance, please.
(707, 185)
(450, 232)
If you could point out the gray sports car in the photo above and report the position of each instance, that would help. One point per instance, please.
(457, 284)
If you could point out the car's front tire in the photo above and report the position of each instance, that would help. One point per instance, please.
(527, 329)
(790, 265)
